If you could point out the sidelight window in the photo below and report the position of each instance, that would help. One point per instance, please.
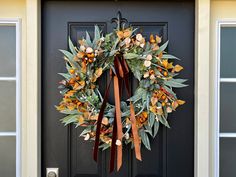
(226, 135)
(9, 98)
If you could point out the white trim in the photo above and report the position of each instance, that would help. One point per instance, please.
(227, 135)
(8, 134)
(33, 97)
(8, 78)
(18, 97)
(17, 23)
(218, 135)
(202, 89)
(227, 79)
(217, 123)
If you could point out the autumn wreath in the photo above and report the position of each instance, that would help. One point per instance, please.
(130, 121)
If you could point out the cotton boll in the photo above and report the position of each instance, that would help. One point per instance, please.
(87, 136)
(89, 50)
(147, 63)
(118, 142)
(139, 37)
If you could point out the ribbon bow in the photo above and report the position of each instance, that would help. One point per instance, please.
(121, 74)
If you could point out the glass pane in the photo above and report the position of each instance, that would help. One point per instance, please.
(227, 157)
(228, 52)
(227, 107)
(8, 106)
(7, 156)
(7, 51)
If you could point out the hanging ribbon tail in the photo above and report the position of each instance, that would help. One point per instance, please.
(132, 112)
(113, 147)
(118, 122)
(99, 121)
(135, 133)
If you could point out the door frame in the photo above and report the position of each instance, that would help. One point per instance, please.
(32, 156)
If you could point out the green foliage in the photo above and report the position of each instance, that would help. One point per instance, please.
(153, 99)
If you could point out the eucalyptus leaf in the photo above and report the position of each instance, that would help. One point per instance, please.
(168, 56)
(163, 120)
(130, 55)
(173, 83)
(69, 119)
(65, 75)
(156, 128)
(97, 35)
(145, 139)
(151, 119)
(63, 92)
(88, 39)
(148, 129)
(67, 54)
(72, 47)
(85, 131)
(67, 111)
(137, 74)
(170, 91)
(162, 48)
(104, 146)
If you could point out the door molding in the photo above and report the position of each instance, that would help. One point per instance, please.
(202, 91)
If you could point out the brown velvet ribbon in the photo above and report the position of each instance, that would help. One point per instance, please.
(120, 75)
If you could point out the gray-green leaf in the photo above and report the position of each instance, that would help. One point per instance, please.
(145, 139)
(130, 55)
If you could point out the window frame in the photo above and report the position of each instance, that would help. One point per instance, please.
(17, 134)
(218, 135)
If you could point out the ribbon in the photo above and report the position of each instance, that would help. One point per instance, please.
(121, 74)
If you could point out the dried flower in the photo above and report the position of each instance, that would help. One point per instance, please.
(87, 136)
(118, 143)
(149, 57)
(89, 50)
(142, 45)
(102, 39)
(127, 41)
(105, 121)
(82, 48)
(152, 77)
(158, 39)
(146, 74)
(139, 37)
(147, 63)
(168, 109)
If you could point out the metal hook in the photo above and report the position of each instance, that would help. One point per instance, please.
(119, 20)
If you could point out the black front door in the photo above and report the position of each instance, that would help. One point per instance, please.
(172, 153)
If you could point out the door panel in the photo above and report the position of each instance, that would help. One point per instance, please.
(172, 149)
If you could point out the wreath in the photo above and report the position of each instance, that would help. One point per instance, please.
(132, 121)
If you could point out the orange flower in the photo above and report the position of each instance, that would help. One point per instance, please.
(152, 40)
(79, 85)
(83, 67)
(90, 55)
(72, 71)
(97, 74)
(120, 34)
(127, 33)
(158, 39)
(177, 68)
(80, 55)
(70, 93)
(156, 110)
